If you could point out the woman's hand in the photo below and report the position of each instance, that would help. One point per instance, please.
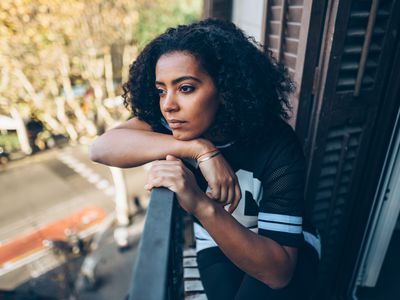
(222, 181)
(220, 177)
(174, 175)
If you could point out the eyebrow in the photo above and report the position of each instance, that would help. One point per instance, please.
(177, 80)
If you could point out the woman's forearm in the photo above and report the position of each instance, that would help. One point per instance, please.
(123, 147)
(258, 256)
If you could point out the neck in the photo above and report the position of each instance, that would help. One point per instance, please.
(217, 140)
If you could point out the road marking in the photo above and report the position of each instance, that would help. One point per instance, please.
(103, 184)
(110, 191)
(45, 216)
(41, 266)
(10, 266)
(87, 173)
(42, 254)
(12, 252)
(94, 178)
(79, 168)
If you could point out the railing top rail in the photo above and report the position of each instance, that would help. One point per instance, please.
(149, 280)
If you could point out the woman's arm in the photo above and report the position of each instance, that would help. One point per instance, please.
(133, 143)
(258, 256)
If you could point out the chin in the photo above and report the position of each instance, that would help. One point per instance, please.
(184, 136)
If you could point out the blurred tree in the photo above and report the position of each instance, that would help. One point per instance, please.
(63, 58)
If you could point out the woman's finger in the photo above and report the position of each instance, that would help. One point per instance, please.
(236, 200)
(165, 162)
(216, 192)
(224, 194)
(153, 182)
(166, 179)
(172, 158)
(155, 170)
(231, 194)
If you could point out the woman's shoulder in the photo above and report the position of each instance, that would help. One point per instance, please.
(278, 135)
(279, 144)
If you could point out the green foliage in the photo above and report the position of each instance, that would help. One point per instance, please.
(47, 45)
(9, 141)
(156, 16)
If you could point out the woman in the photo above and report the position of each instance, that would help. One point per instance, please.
(209, 110)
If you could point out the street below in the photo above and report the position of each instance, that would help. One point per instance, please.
(52, 196)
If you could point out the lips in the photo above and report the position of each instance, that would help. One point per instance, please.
(175, 124)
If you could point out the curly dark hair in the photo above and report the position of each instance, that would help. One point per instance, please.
(254, 88)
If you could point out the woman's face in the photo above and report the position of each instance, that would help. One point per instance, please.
(188, 98)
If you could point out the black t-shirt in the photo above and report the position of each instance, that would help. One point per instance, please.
(271, 174)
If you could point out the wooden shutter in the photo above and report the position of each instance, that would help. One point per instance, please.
(355, 63)
(288, 35)
(340, 54)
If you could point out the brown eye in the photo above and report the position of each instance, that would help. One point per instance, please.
(187, 89)
(160, 92)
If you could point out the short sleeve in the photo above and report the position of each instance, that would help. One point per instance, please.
(281, 205)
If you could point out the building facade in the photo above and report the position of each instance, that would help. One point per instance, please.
(344, 57)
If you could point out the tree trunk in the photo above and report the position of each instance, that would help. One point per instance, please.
(104, 115)
(21, 131)
(108, 72)
(60, 102)
(130, 53)
(37, 100)
(70, 97)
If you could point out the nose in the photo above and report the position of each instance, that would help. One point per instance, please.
(169, 103)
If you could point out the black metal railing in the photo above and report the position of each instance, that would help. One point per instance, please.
(158, 271)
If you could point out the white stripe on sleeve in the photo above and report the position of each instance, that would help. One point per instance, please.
(295, 220)
(280, 227)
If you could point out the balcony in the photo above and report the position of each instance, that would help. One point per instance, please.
(166, 266)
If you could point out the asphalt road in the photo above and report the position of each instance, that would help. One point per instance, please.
(45, 194)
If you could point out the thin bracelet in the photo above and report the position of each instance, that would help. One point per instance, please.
(207, 158)
(213, 150)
